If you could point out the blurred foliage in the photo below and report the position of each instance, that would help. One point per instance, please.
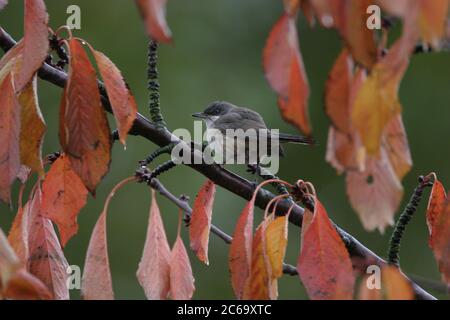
(216, 55)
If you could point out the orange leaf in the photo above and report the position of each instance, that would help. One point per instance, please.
(324, 264)
(240, 256)
(367, 293)
(36, 44)
(432, 19)
(200, 223)
(394, 284)
(359, 39)
(63, 196)
(9, 137)
(153, 13)
(436, 205)
(97, 283)
(122, 101)
(85, 134)
(375, 193)
(376, 103)
(154, 268)
(46, 259)
(337, 92)
(284, 70)
(276, 242)
(441, 241)
(32, 129)
(181, 277)
(259, 285)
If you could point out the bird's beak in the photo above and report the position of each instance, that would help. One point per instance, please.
(200, 115)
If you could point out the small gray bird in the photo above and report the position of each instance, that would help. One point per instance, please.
(223, 116)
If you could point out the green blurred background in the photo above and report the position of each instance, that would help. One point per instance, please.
(217, 55)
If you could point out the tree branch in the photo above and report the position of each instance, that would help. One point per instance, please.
(183, 205)
(222, 177)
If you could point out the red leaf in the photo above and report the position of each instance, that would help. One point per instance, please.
(324, 264)
(436, 205)
(337, 92)
(97, 283)
(200, 223)
(285, 73)
(154, 268)
(32, 129)
(84, 132)
(240, 256)
(36, 45)
(63, 196)
(375, 193)
(122, 101)
(438, 221)
(46, 259)
(441, 241)
(9, 137)
(154, 14)
(181, 278)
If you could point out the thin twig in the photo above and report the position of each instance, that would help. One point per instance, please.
(183, 205)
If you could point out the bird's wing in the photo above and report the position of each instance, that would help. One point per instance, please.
(244, 119)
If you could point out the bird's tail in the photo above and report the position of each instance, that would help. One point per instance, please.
(290, 138)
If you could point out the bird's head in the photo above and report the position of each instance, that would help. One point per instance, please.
(214, 111)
